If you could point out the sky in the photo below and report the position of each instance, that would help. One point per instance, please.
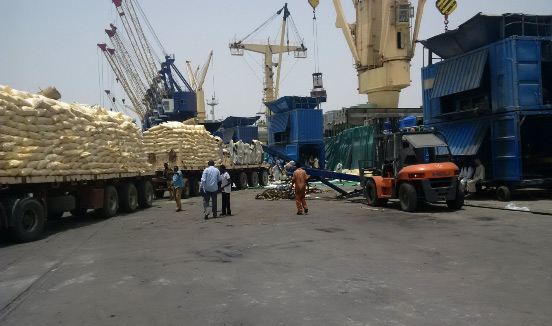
(53, 43)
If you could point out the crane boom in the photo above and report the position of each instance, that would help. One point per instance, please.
(204, 71)
(286, 14)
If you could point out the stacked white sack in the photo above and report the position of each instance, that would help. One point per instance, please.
(192, 144)
(42, 137)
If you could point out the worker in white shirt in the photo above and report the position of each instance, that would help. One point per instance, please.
(208, 188)
(467, 176)
(478, 175)
(226, 186)
(277, 170)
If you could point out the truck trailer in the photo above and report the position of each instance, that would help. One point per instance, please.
(27, 202)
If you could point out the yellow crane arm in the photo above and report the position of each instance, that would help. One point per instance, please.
(419, 13)
(191, 75)
(341, 22)
(204, 72)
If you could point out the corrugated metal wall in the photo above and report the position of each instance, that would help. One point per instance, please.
(306, 125)
(459, 74)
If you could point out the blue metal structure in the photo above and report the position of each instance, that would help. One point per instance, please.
(178, 103)
(493, 100)
(295, 128)
(240, 128)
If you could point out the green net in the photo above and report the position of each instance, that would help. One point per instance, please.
(349, 147)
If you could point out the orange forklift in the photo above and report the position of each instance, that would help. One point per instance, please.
(414, 167)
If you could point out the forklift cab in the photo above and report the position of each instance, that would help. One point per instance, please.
(410, 148)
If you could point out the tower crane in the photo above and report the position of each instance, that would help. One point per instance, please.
(300, 51)
(382, 46)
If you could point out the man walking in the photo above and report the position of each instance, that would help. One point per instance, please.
(226, 186)
(177, 184)
(209, 188)
(300, 179)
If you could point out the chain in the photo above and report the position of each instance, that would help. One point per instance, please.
(446, 23)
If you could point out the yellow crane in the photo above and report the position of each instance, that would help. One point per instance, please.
(381, 45)
(197, 85)
(300, 51)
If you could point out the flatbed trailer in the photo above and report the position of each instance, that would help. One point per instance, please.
(26, 202)
(242, 175)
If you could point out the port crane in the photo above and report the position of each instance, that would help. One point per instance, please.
(198, 78)
(156, 88)
(382, 46)
(238, 48)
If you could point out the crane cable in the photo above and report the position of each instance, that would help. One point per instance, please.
(263, 25)
(315, 36)
(152, 31)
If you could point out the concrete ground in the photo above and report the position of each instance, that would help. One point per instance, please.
(342, 264)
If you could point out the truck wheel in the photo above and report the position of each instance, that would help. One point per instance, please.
(159, 194)
(408, 197)
(128, 197)
(145, 194)
(253, 179)
(242, 181)
(111, 202)
(185, 188)
(194, 187)
(503, 193)
(371, 193)
(27, 220)
(458, 201)
(263, 177)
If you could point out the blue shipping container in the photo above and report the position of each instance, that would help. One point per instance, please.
(306, 125)
(501, 77)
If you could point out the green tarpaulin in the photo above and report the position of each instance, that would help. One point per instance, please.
(349, 147)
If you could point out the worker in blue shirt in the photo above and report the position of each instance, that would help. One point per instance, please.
(209, 187)
(177, 184)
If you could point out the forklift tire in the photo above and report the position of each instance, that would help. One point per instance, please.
(503, 193)
(371, 193)
(27, 220)
(263, 177)
(408, 197)
(458, 201)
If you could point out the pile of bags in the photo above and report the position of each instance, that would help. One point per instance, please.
(42, 137)
(243, 153)
(183, 145)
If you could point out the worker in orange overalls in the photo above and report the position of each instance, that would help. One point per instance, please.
(300, 179)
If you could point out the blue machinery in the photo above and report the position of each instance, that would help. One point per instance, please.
(295, 133)
(492, 96)
(295, 128)
(179, 104)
